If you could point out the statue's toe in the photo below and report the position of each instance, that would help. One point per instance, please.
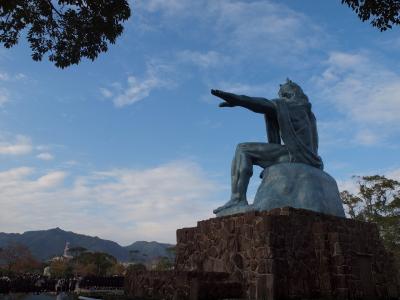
(217, 210)
(227, 205)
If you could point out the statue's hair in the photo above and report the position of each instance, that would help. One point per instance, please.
(297, 93)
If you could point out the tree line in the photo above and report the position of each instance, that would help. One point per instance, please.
(17, 259)
(377, 200)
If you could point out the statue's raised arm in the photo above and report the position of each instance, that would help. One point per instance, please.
(256, 104)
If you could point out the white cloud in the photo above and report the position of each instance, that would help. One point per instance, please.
(71, 163)
(203, 59)
(263, 28)
(394, 174)
(168, 6)
(349, 185)
(362, 88)
(266, 25)
(366, 92)
(4, 90)
(4, 76)
(4, 96)
(120, 204)
(106, 93)
(20, 76)
(20, 146)
(51, 179)
(136, 88)
(14, 174)
(367, 137)
(388, 43)
(45, 156)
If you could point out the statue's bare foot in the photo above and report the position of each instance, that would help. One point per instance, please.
(229, 204)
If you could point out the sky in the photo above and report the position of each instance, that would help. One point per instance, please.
(132, 146)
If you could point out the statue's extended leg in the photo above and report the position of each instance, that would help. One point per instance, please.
(247, 155)
(241, 171)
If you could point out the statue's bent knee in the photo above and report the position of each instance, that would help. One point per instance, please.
(242, 147)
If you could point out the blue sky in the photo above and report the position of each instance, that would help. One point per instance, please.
(132, 146)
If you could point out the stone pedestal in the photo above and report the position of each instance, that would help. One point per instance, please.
(289, 253)
(181, 285)
(300, 186)
(296, 185)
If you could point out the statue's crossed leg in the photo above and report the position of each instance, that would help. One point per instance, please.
(247, 155)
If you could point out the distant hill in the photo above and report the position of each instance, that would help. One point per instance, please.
(45, 244)
(142, 251)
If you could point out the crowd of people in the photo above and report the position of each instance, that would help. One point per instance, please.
(26, 283)
(33, 283)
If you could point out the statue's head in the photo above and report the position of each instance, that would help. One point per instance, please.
(292, 91)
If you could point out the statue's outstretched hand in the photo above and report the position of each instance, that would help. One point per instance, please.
(226, 104)
(223, 95)
(217, 93)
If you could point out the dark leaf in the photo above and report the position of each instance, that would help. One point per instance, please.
(66, 31)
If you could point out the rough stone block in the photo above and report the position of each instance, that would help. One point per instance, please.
(300, 186)
(289, 253)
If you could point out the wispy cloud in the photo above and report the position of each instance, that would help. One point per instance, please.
(205, 60)
(19, 145)
(45, 156)
(267, 26)
(149, 204)
(5, 78)
(51, 179)
(262, 28)
(4, 96)
(366, 92)
(136, 89)
(168, 6)
(362, 88)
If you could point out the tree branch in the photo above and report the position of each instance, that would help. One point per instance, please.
(53, 8)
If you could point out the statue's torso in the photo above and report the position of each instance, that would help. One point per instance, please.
(295, 124)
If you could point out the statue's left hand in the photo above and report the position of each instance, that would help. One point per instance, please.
(226, 104)
(217, 93)
(223, 95)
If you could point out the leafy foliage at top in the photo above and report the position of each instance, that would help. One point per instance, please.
(378, 201)
(67, 30)
(383, 13)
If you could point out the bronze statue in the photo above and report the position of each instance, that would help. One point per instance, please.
(289, 119)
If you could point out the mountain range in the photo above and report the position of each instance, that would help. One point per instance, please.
(45, 244)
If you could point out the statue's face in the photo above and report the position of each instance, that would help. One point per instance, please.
(286, 91)
(292, 92)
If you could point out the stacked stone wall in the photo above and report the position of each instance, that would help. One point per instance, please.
(181, 285)
(291, 253)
